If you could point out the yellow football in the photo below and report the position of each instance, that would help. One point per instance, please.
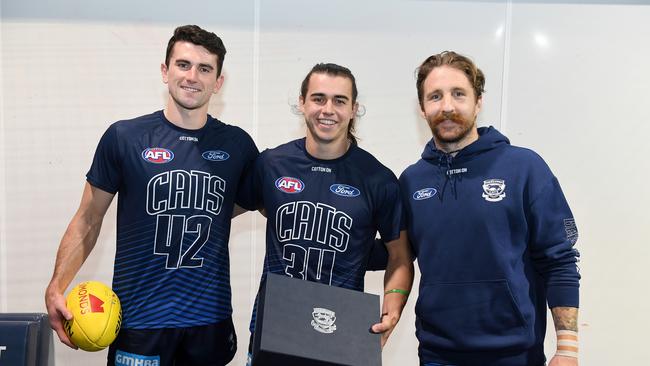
(97, 316)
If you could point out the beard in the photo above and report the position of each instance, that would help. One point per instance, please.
(450, 135)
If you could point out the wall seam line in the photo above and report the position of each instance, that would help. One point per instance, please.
(255, 133)
(503, 114)
(3, 190)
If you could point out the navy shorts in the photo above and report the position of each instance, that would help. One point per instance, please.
(209, 345)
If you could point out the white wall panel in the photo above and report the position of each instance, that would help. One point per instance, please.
(578, 95)
(382, 44)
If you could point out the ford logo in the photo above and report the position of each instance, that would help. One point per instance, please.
(424, 194)
(344, 190)
(215, 155)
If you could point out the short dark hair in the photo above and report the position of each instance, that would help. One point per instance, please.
(333, 70)
(455, 60)
(200, 37)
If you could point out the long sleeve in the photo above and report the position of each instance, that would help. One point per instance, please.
(553, 236)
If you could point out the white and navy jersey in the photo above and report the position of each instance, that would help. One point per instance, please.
(323, 215)
(176, 189)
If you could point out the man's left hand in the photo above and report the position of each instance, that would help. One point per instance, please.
(388, 323)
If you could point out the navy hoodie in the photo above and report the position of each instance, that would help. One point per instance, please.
(494, 238)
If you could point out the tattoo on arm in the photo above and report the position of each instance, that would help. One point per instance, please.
(565, 318)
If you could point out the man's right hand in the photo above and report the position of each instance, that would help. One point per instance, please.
(58, 312)
(78, 241)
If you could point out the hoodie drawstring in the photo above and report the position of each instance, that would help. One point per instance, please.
(489, 139)
(444, 162)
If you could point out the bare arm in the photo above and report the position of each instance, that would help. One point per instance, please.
(566, 328)
(565, 318)
(398, 276)
(77, 243)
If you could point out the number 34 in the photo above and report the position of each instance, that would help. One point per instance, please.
(314, 264)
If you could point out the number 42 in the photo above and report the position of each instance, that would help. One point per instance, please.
(170, 231)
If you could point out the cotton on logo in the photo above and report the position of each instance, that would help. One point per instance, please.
(157, 155)
(289, 185)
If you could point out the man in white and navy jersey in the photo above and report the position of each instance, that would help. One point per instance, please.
(325, 199)
(175, 173)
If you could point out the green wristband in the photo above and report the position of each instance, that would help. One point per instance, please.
(397, 291)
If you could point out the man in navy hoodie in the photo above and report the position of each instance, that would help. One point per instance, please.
(492, 231)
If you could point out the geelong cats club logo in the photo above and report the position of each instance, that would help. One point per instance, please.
(494, 190)
(289, 185)
(157, 155)
(323, 320)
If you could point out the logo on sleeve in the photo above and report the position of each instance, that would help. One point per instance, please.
(157, 155)
(424, 193)
(289, 185)
(571, 230)
(494, 190)
(215, 155)
(344, 190)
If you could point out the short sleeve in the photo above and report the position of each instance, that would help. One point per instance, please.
(389, 215)
(106, 171)
(248, 195)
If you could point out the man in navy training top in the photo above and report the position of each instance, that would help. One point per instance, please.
(177, 171)
(325, 199)
(492, 232)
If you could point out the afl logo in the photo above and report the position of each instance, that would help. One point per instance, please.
(157, 155)
(344, 190)
(215, 155)
(424, 194)
(289, 185)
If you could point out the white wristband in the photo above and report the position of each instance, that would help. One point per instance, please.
(567, 343)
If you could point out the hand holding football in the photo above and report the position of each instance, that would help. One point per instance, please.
(97, 316)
